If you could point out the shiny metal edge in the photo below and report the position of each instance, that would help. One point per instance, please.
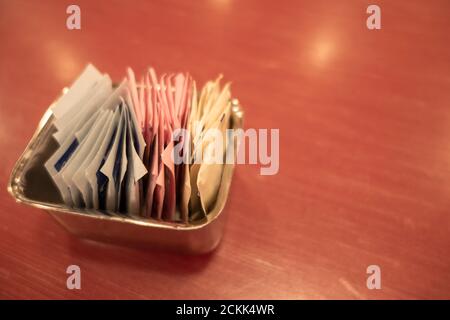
(70, 218)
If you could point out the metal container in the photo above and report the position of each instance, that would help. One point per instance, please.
(31, 184)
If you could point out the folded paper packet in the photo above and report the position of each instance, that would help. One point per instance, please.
(133, 155)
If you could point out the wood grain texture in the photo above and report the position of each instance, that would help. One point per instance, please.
(364, 119)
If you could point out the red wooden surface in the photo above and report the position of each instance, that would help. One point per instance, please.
(364, 119)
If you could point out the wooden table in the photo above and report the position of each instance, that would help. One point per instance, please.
(364, 119)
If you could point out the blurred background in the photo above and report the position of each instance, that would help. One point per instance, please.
(364, 119)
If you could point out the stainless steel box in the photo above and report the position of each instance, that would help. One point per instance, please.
(31, 184)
